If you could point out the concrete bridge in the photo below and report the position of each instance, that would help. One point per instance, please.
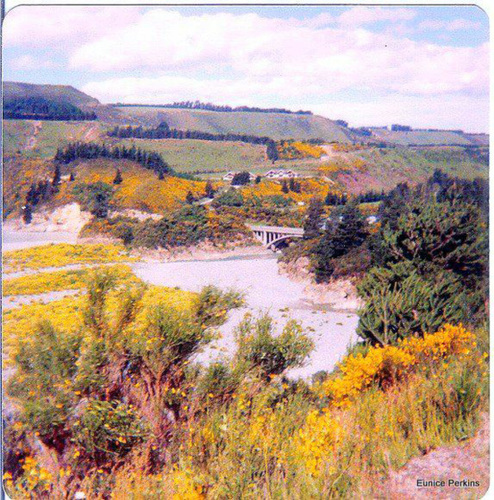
(273, 236)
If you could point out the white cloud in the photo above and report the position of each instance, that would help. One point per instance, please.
(65, 27)
(325, 60)
(250, 59)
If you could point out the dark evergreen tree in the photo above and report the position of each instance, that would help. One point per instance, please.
(345, 231)
(27, 214)
(72, 177)
(272, 151)
(39, 108)
(313, 221)
(57, 176)
(118, 177)
(431, 252)
(90, 150)
(284, 188)
(189, 198)
(209, 190)
(258, 179)
(241, 179)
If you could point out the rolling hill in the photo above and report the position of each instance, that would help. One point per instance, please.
(274, 125)
(424, 137)
(57, 93)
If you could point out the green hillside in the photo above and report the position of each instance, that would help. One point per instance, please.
(40, 139)
(424, 137)
(274, 125)
(57, 93)
(383, 168)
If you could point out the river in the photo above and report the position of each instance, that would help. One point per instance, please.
(266, 291)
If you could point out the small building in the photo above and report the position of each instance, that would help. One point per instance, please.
(229, 176)
(280, 174)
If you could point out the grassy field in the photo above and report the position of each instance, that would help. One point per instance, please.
(423, 138)
(274, 125)
(377, 169)
(40, 139)
(215, 158)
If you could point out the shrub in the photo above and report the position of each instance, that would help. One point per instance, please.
(102, 388)
(384, 366)
(279, 200)
(230, 198)
(212, 304)
(267, 354)
(106, 430)
(241, 179)
(94, 197)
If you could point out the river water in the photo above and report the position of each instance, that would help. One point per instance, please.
(266, 291)
(14, 240)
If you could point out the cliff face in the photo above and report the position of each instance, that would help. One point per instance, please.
(68, 218)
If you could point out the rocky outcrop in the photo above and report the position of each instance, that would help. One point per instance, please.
(67, 218)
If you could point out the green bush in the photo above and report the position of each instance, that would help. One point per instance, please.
(94, 197)
(263, 352)
(400, 302)
(230, 198)
(44, 362)
(212, 304)
(107, 430)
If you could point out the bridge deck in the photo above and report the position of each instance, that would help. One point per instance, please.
(278, 229)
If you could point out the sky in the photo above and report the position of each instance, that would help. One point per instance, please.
(426, 67)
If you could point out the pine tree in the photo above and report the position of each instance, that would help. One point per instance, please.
(27, 215)
(272, 151)
(118, 177)
(312, 225)
(258, 179)
(284, 188)
(209, 190)
(57, 176)
(189, 198)
(346, 230)
(72, 177)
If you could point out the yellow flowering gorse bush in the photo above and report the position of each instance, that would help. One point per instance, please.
(319, 437)
(384, 365)
(381, 366)
(72, 279)
(63, 254)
